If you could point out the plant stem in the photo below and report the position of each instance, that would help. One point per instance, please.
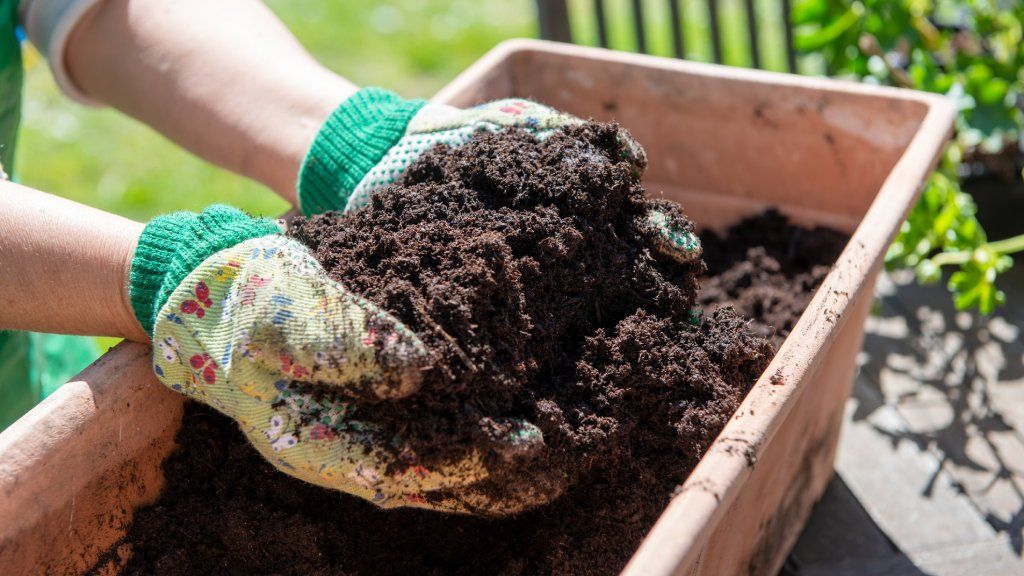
(1008, 246)
(1005, 246)
(869, 45)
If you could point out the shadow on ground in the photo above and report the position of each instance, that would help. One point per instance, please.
(844, 541)
(943, 390)
(951, 387)
(957, 378)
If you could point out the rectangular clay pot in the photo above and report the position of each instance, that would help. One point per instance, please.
(725, 143)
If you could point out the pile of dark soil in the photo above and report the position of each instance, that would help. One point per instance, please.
(529, 271)
(523, 267)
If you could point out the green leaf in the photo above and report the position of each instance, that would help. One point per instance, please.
(821, 37)
(973, 286)
(991, 120)
(973, 52)
(993, 92)
(808, 11)
(977, 75)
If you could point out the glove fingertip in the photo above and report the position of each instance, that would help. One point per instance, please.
(512, 438)
(401, 356)
(631, 151)
(672, 240)
(401, 383)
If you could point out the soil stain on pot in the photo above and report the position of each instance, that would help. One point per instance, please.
(525, 269)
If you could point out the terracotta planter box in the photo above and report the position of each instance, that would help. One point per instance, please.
(725, 143)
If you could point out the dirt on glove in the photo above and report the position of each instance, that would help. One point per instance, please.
(522, 266)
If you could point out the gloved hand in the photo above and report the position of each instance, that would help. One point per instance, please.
(374, 136)
(244, 318)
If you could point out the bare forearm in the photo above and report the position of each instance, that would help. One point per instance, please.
(64, 266)
(224, 79)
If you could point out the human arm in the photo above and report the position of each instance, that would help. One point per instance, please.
(226, 80)
(64, 266)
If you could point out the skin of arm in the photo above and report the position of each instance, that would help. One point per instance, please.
(226, 80)
(65, 266)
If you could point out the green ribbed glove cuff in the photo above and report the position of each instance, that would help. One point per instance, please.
(353, 140)
(173, 245)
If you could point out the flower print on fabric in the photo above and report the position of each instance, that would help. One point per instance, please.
(199, 303)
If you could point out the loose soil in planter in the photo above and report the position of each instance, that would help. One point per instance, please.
(766, 269)
(523, 267)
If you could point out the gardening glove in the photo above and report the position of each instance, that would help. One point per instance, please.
(245, 320)
(374, 136)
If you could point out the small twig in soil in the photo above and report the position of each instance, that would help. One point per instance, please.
(458, 349)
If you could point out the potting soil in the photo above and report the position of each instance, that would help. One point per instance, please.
(524, 268)
(765, 269)
(527, 269)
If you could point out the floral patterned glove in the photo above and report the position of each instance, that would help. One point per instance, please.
(374, 136)
(245, 320)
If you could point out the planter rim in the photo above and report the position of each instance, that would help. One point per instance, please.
(509, 48)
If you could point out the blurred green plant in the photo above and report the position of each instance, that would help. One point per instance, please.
(969, 50)
(942, 230)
